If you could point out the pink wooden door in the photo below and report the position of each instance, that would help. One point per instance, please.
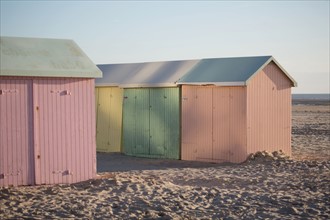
(237, 129)
(196, 130)
(221, 125)
(16, 132)
(65, 150)
(204, 121)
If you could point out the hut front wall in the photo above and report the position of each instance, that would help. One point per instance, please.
(269, 111)
(213, 123)
(16, 136)
(64, 118)
(151, 122)
(109, 102)
(53, 139)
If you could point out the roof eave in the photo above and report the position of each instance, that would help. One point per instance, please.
(238, 83)
(59, 74)
(106, 85)
(148, 85)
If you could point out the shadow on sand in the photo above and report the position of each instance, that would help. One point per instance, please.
(114, 162)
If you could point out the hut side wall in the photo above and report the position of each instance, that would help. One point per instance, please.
(269, 111)
(109, 102)
(16, 136)
(64, 119)
(151, 122)
(213, 123)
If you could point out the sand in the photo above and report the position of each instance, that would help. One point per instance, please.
(311, 130)
(263, 187)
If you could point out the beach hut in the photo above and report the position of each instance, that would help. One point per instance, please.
(151, 109)
(232, 107)
(109, 102)
(47, 113)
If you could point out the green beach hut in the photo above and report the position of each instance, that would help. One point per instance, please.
(151, 109)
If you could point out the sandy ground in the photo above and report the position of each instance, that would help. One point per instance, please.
(137, 188)
(311, 130)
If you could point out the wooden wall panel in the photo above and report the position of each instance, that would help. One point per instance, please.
(269, 111)
(16, 132)
(64, 115)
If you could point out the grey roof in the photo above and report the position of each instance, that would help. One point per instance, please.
(235, 71)
(153, 74)
(44, 58)
(115, 74)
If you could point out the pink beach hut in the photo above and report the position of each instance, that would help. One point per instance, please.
(232, 107)
(47, 112)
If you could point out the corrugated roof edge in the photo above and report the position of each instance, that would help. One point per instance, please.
(148, 85)
(107, 84)
(294, 83)
(238, 83)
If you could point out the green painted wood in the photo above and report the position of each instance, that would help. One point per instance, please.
(172, 123)
(157, 123)
(142, 121)
(129, 121)
(151, 122)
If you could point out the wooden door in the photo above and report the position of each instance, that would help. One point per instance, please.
(16, 133)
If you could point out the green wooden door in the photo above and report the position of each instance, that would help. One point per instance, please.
(151, 121)
(157, 121)
(129, 116)
(142, 122)
(172, 123)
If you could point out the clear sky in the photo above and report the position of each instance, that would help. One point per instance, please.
(296, 33)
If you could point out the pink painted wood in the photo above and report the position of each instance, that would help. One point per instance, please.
(269, 111)
(65, 114)
(213, 123)
(16, 142)
(47, 131)
(228, 123)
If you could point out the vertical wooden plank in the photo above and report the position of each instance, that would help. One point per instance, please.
(157, 123)
(142, 126)
(269, 111)
(29, 133)
(4, 132)
(115, 119)
(189, 126)
(80, 94)
(237, 124)
(172, 123)
(129, 115)
(104, 123)
(15, 142)
(221, 124)
(36, 129)
(204, 122)
(92, 133)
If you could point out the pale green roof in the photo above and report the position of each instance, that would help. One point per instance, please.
(44, 58)
(235, 71)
